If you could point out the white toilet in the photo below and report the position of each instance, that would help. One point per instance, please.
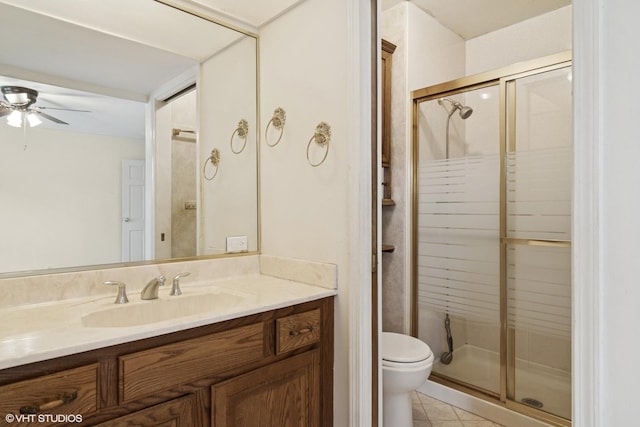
(406, 365)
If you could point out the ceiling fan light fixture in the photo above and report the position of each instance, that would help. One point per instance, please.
(19, 96)
(20, 102)
(15, 119)
(33, 120)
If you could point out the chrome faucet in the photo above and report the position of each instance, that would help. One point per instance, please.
(150, 291)
(175, 288)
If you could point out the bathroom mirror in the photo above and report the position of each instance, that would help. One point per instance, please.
(132, 99)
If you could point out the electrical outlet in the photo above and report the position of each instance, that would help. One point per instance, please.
(237, 244)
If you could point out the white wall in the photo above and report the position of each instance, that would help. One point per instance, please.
(305, 209)
(620, 210)
(61, 198)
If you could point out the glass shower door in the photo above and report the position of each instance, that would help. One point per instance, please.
(537, 240)
(458, 235)
(491, 235)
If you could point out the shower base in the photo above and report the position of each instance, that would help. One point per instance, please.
(481, 368)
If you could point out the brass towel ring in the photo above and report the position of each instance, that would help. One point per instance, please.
(214, 158)
(321, 136)
(277, 120)
(242, 130)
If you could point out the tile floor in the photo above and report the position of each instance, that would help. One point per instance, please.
(429, 412)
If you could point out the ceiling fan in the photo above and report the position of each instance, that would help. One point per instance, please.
(20, 110)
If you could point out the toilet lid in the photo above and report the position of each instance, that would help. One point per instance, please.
(402, 348)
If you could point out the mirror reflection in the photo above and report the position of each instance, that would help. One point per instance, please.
(127, 112)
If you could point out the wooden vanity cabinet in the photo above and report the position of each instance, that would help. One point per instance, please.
(268, 369)
(174, 413)
(68, 392)
(284, 394)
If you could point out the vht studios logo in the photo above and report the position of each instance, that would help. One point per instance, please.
(43, 418)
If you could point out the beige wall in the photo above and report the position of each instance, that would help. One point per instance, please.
(228, 202)
(61, 197)
(303, 57)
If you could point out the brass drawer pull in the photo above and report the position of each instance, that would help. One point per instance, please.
(297, 330)
(66, 398)
(301, 331)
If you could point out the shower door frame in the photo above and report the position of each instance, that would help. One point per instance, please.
(504, 78)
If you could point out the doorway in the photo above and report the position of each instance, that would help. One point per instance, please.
(176, 173)
(133, 215)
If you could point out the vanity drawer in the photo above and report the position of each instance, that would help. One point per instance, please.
(71, 392)
(297, 330)
(147, 372)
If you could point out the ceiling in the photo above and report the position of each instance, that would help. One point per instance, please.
(253, 13)
(108, 44)
(76, 69)
(472, 18)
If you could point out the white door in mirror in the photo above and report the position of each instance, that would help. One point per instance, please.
(237, 244)
(133, 210)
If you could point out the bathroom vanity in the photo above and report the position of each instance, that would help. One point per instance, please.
(266, 359)
(272, 368)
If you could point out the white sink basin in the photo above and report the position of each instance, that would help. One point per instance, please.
(144, 312)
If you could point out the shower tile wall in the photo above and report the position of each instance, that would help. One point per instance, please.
(426, 53)
(394, 289)
(183, 189)
(183, 179)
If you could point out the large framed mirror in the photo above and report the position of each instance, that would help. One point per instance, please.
(111, 128)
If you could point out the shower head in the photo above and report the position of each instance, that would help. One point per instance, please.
(464, 111)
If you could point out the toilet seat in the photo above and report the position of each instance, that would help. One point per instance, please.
(411, 366)
(400, 350)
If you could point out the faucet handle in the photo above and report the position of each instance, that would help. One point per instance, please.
(121, 298)
(175, 288)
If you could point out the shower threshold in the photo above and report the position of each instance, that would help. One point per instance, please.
(481, 368)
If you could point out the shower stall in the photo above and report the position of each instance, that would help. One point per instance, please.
(491, 294)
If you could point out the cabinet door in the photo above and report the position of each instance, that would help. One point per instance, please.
(175, 413)
(64, 393)
(387, 51)
(283, 394)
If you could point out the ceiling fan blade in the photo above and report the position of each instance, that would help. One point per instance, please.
(48, 117)
(62, 109)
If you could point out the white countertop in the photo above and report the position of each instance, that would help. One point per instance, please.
(36, 332)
